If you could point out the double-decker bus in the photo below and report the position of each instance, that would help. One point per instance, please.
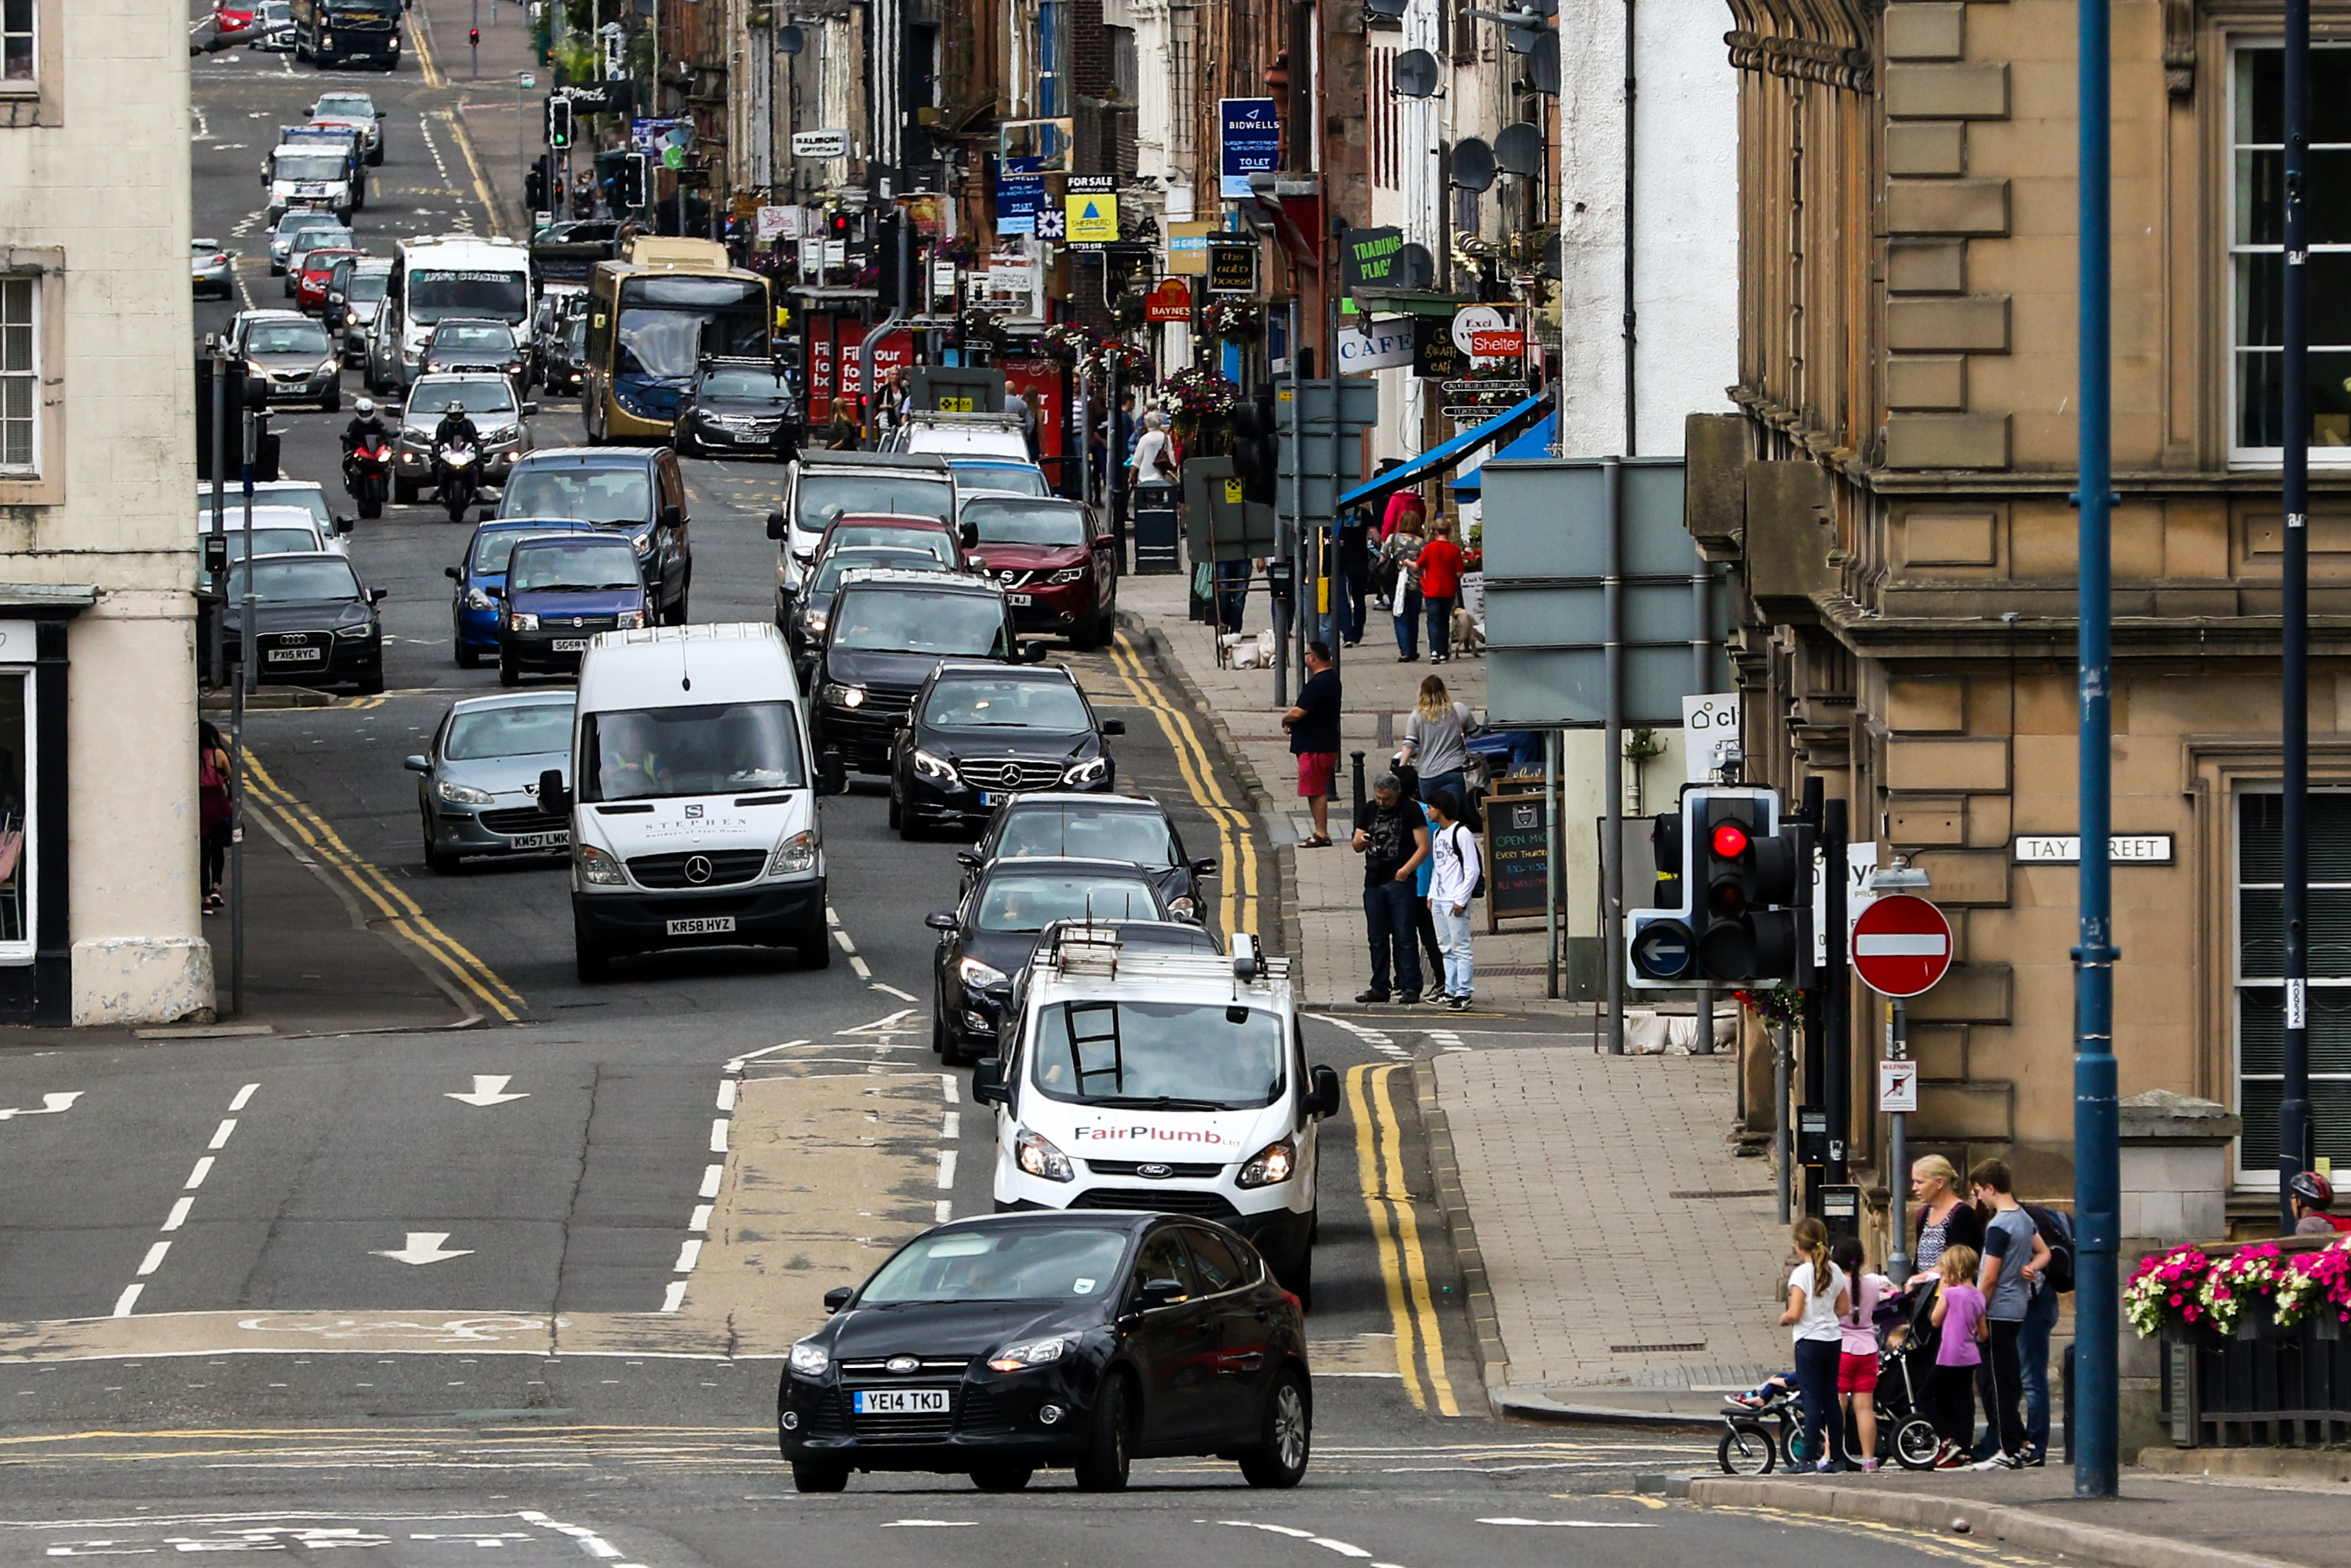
(650, 320)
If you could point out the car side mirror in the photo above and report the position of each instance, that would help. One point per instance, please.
(1322, 1099)
(838, 1298)
(987, 1082)
(968, 859)
(969, 534)
(1162, 1292)
(902, 721)
(832, 774)
(453, 574)
(977, 562)
(552, 795)
(1113, 726)
(1032, 652)
(417, 764)
(334, 296)
(378, 595)
(529, 408)
(487, 515)
(345, 525)
(777, 525)
(940, 920)
(1204, 866)
(672, 517)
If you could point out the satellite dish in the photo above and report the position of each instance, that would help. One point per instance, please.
(1551, 260)
(1384, 10)
(1473, 165)
(1519, 150)
(1542, 64)
(1416, 73)
(789, 40)
(1522, 40)
(1415, 267)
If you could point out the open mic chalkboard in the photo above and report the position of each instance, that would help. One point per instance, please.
(1518, 859)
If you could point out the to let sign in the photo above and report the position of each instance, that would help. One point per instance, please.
(1250, 142)
(1901, 946)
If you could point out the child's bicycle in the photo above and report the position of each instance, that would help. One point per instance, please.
(1754, 1437)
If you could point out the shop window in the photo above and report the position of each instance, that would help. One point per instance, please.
(16, 807)
(2257, 256)
(2260, 1005)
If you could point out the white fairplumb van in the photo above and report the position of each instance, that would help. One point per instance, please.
(1143, 1076)
(693, 798)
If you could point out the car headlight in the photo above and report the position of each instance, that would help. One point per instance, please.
(476, 600)
(331, 366)
(1092, 770)
(353, 633)
(978, 976)
(1032, 1353)
(643, 547)
(1068, 574)
(809, 1360)
(522, 621)
(846, 696)
(817, 620)
(937, 770)
(628, 620)
(1270, 1164)
(1184, 908)
(1040, 1158)
(598, 868)
(793, 856)
(464, 794)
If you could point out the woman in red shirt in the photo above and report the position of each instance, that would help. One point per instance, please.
(1440, 586)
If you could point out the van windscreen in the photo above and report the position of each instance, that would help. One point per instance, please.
(708, 750)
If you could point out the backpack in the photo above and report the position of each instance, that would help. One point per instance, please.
(2057, 1234)
(1478, 889)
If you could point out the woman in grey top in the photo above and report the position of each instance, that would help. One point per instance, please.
(1435, 740)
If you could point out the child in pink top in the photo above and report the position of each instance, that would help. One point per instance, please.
(1857, 1357)
(1959, 1317)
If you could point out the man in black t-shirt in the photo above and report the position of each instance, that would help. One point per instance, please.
(1313, 725)
(1392, 836)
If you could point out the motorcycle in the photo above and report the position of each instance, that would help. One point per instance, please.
(460, 479)
(367, 475)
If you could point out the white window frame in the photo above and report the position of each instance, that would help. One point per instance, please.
(31, 84)
(2260, 457)
(31, 284)
(2257, 1178)
(15, 663)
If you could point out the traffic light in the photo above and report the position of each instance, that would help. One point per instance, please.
(534, 185)
(1734, 894)
(841, 223)
(635, 181)
(559, 123)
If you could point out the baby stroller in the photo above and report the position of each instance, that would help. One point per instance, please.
(1905, 1360)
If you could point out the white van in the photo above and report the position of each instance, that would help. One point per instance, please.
(1144, 1076)
(693, 798)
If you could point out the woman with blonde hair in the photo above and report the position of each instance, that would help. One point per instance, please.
(1945, 1218)
(1436, 741)
(1818, 1295)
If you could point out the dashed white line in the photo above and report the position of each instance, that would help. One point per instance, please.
(711, 1177)
(1378, 1040)
(128, 1299)
(179, 1215)
(842, 936)
(947, 1083)
(726, 1093)
(858, 964)
(155, 1259)
(244, 1097)
(674, 1297)
(718, 1136)
(1572, 1523)
(943, 1211)
(892, 990)
(197, 1177)
(688, 1255)
(951, 1124)
(701, 1220)
(1343, 1548)
(946, 1168)
(222, 1133)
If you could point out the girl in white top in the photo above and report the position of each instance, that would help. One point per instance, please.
(1817, 1297)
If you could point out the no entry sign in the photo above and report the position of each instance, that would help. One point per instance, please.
(1901, 946)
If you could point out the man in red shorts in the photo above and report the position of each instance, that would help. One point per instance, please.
(1313, 725)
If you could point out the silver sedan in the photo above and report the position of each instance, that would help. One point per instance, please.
(478, 790)
(209, 269)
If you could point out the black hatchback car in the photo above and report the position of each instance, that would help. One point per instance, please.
(987, 939)
(1094, 827)
(739, 406)
(995, 1347)
(889, 631)
(979, 734)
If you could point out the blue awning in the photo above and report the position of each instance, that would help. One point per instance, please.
(1438, 460)
(1535, 443)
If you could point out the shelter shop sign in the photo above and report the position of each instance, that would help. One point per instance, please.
(2065, 849)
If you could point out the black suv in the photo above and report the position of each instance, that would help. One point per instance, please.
(636, 489)
(889, 631)
(980, 734)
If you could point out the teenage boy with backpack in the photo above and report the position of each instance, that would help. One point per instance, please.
(1456, 879)
(2056, 1229)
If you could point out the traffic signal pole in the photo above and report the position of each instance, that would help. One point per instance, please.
(1835, 1091)
(2294, 1147)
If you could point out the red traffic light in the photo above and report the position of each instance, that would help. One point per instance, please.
(1730, 840)
(474, 37)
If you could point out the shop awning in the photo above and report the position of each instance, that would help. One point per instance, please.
(1535, 443)
(1440, 460)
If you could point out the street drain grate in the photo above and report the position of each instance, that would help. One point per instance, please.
(1729, 1192)
(1656, 1349)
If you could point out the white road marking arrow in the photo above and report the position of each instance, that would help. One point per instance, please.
(50, 1105)
(424, 1246)
(488, 1091)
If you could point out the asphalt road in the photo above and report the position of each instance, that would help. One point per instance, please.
(432, 1294)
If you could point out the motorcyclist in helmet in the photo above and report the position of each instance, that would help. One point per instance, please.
(367, 425)
(2313, 1195)
(457, 425)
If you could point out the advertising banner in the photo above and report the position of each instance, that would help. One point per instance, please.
(1250, 144)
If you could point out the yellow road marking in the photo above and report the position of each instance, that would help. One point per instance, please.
(468, 971)
(457, 122)
(1391, 1274)
(420, 38)
(1415, 1260)
(1403, 1266)
(1239, 903)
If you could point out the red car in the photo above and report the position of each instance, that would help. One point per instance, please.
(1057, 561)
(231, 18)
(310, 283)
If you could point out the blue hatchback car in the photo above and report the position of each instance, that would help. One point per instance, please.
(474, 608)
(561, 591)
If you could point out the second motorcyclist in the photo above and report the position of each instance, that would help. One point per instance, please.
(456, 429)
(367, 432)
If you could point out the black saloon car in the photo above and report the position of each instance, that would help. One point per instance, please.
(995, 1347)
(812, 608)
(1095, 827)
(747, 406)
(988, 938)
(889, 631)
(313, 622)
(979, 734)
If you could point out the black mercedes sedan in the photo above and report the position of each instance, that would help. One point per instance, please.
(990, 937)
(1095, 827)
(313, 622)
(979, 734)
(995, 1347)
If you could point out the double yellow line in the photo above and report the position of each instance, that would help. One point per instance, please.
(1403, 1267)
(1240, 902)
(464, 968)
(420, 38)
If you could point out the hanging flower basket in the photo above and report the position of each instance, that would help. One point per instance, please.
(2167, 1295)
(1133, 363)
(1066, 342)
(1781, 1005)
(980, 328)
(1196, 395)
(1233, 320)
(2315, 1287)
